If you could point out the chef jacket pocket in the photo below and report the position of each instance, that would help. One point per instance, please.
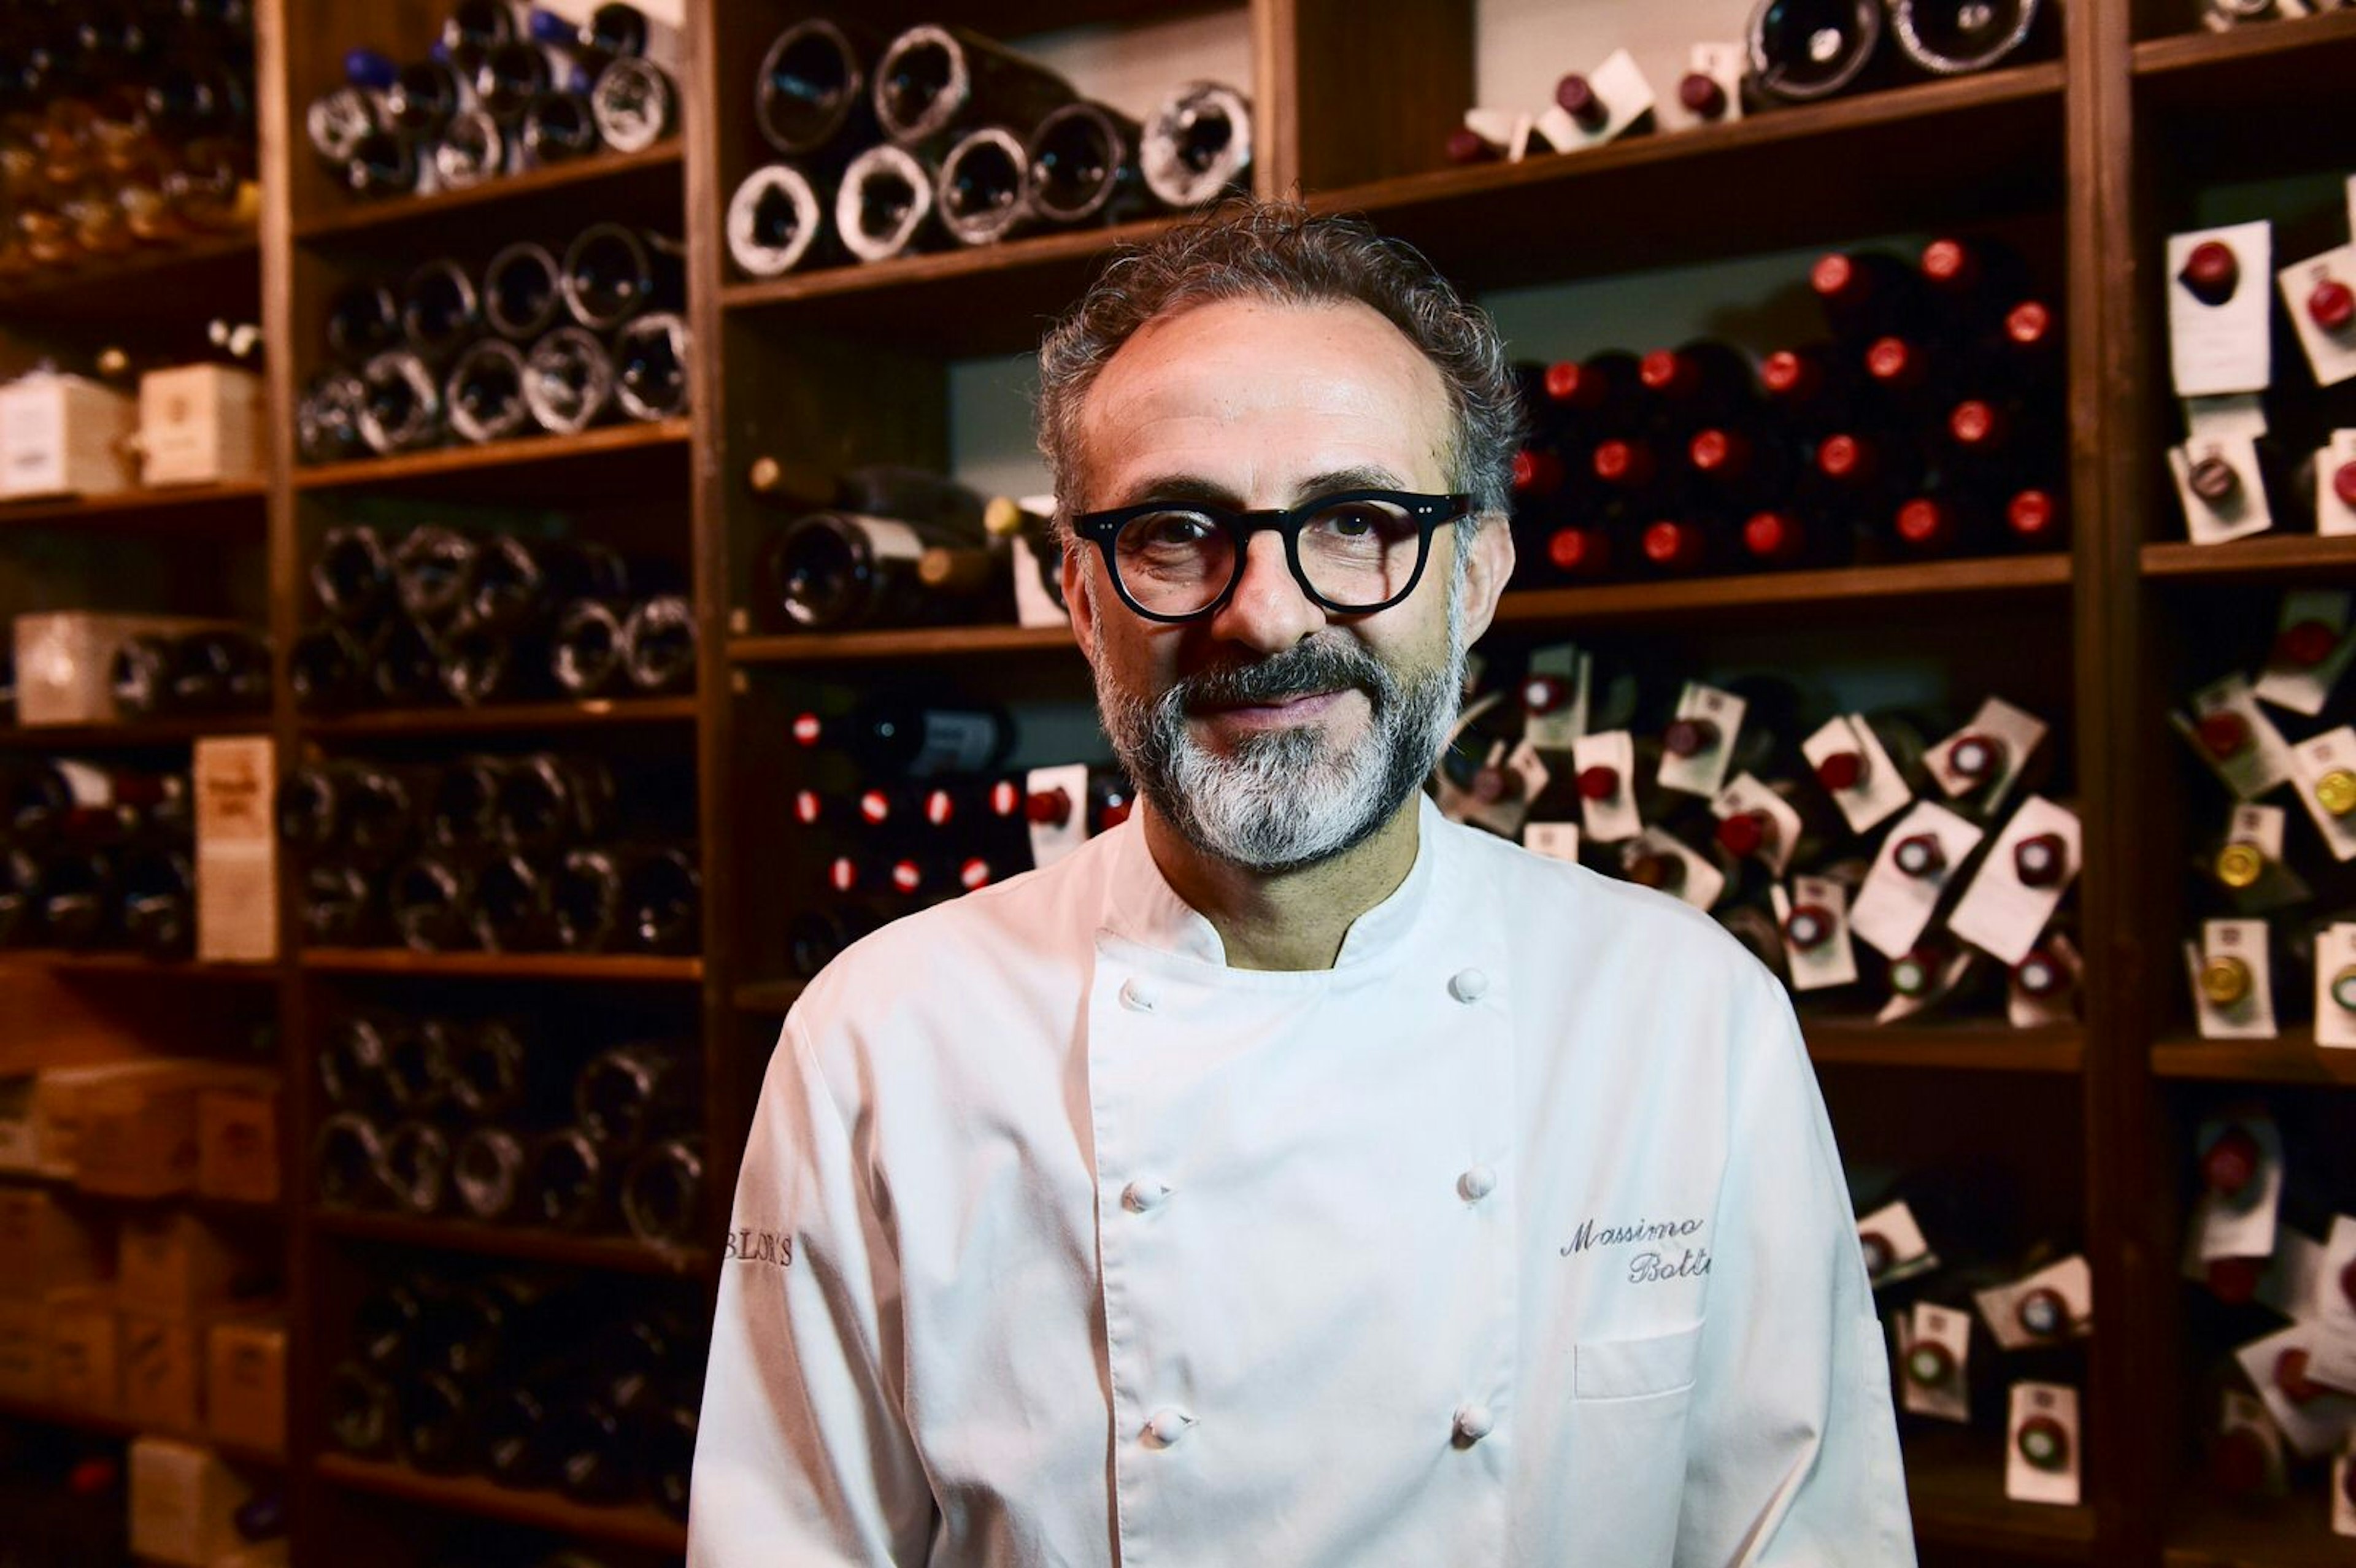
(1633, 1369)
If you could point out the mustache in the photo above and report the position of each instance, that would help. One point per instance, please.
(1300, 670)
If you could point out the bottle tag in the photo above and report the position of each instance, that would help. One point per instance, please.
(33, 436)
(1610, 820)
(2259, 829)
(2333, 513)
(2240, 1005)
(1502, 129)
(2292, 1278)
(2055, 1303)
(2325, 765)
(956, 741)
(2313, 1418)
(2259, 760)
(1894, 907)
(1527, 772)
(2220, 418)
(1033, 606)
(2303, 686)
(2335, 986)
(1704, 773)
(1556, 840)
(2243, 510)
(1934, 1347)
(2343, 1487)
(890, 539)
(2003, 909)
(1832, 959)
(2224, 346)
(2023, 1009)
(2306, 287)
(1051, 840)
(2240, 1224)
(1880, 790)
(1953, 973)
(1895, 1248)
(2335, 1303)
(1626, 97)
(1747, 793)
(1560, 673)
(2041, 1457)
(2022, 734)
(1702, 884)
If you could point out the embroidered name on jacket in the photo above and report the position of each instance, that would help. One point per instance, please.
(760, 1247)
(1654, 1264)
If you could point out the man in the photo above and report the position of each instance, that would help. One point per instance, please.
(1291, 1177)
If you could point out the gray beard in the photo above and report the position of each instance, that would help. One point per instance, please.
(1283, 799)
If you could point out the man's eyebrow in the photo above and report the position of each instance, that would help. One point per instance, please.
(1195, 487)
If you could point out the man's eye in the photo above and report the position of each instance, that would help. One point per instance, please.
(1362, 520)
(1169, 530)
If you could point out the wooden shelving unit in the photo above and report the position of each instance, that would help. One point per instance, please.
(116, 1426)
(503, 718)
(593, 454)
(633, 967)
(597, 184)
(629, 1525)
(1956, 1481)
(130, 735)
(213, 510)
(619, 1255)
(1969, 1046)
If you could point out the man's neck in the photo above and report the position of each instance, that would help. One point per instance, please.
(1290, 919)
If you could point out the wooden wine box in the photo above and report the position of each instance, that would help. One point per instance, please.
(183, 1503)
(139, 1132)
(65, 661)
(201, 424)
(162, 1378)
(173, 1264)
(237, 1140)
(45, 1246)
(63, 435)
(245, 1381)
(86, 1352)
(25, 1351)
(237, 849)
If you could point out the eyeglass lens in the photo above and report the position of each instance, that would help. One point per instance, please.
(1355, 554)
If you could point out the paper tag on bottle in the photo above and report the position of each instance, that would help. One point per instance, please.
(1527, 772)
(2335, 958)
(2251, 1015)
(1033, 606)
(1704, 773)
(2334, 1299)
(2070, 1279)
(2326, 766)
(2305, 689)
(2263, 761)
(1948, 1397)
(1559, 676)
(2001, 914)
(2315, 1425)
(1894, 908)
(2260, 828)
(2216, 418)
(1725, 64)
(2334, 515)
(1833, 961)
(2226, 346)
(2330, 352)
(2242, 1224)
(2024, 1010)
(2020, 734)
(2042, 1454)
(1702, 885)
(2245, 1414)
(1747, 793)
(1503, 129)
(1626, 97)
(1880, 790)
(1556, 840)
(1610, 820)
(2292, 1275)
(1891, 1238)
(1954, 971)
(1053, 839)
(33, 436)
(2343, 1487)
(2242, 511)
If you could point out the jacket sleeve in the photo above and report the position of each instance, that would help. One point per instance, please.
(1792, 1443)
(802, 1455)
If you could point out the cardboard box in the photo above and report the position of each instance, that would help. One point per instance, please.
(174, 1265)
(237, 1141)
(245, 1381)
(139, 1132)
(65, 435)
(85, 1352)
(45, 1246)
(201, 424)
(65, 661)
(61, 1099)
(161, 1380)
(25, 1351)
(183, 1503)
(237, 849)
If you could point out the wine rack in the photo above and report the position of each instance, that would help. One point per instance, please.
(2143, 120)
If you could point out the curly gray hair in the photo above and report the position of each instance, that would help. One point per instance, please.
(1277, 250)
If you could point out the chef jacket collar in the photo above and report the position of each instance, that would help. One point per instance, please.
(1143, 907)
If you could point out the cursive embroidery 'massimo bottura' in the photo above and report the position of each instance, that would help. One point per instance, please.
(1653, 1264)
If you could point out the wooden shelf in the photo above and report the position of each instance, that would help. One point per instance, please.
(587, 191)
(1987, 1045)
(230, 1210)
(1954, 1478)
(595, 453)
(2289, 1533)
(45, 1414)
(634, 1525)
(146, 288)
(208, 509)
(767, 995)
(66, 961)
(2245, 65)
(634, 966)
(2267, 558)
(2293, 1058)
(130, 735)
(505, 718)
(900, 642)
(621, 1254)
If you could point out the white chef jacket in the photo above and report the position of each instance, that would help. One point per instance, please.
(1516, 1237)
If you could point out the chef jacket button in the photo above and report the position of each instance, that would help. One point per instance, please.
(1473, 1422)
(1468, 985)
(1164, 1427)
(1477, 1183)
(1137, 996)
(1144, 1195)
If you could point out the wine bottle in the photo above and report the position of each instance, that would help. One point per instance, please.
(592, 1444)
(473, 28)
(340, 908)
(544, 802)
(625, 1098)
(363, 321)
(894, 737)
(565, 1182)
(140, 674)
(400, 406)
(813, 93)
(1802, 50)
(514, 584)
(484, 394)
(626, 898)
(430, 903)
(559, 127)
(1083, 162)
(1701, 381)
(613, 271)
(933, 79)
(20, 897)
(158, 894)
(489, 1173)
(633, 103)
(80, 897)
(509, 909)
(1951, 38)
(510, 78)
(1866, 295)
(362, 1410)
(347, 1162)
(435, 1434)
(835, 570)
(650, 366)
(522, 292)
(668, 1446)
(777, 221)
(569, 380)
(512, 1427)
(662, 1192)
(415, 1156)
(354, 1063)
(326, 670)
(473, 149)
(884, 206)
(423, 97)
(433, 574)
(440, 312)
(660, 644)
(983, 191)
(486, 1065)
(1197, 143)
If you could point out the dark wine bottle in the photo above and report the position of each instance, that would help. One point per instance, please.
(433, 574)
(559, 127)
(517, 583)
(509, 909)
(158, 894)
(565, 1182)
(662, 1192)
(613, 271)
(1084, 166)
(522, 292)
(1197, 145)
(508, 79)
(626, 1097)
(401, 404)
(813, 93)
(660, 644)
(933, 79)
(436, 1427)
(362, 1410)
(340, 907)
(650, 353)
(347, 1162)
(982, 192)
(489, 1173)
(440, 311)
(884, 206)
(423, 96)
(1802, 50)
(893, 737)
(363, 321)
(431, 903)
(1951, 38)
(415, 1158)
(485, 393)
(326, 670)
(777, 221)
(634, 103)
(569, 382)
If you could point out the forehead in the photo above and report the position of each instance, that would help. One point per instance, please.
(1251, 384)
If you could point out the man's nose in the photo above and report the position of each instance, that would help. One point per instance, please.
(1267, 610)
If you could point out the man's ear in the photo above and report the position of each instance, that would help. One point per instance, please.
(1490, 567)
(1077, 601)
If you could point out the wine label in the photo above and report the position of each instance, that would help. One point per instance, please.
(1719, 716)
(1880, 792)
(2334, 1299)
(1952, 974)
(2314, 1418)
(2022, 734)
(2316, 293)
(237, 870)
(1832, 959)
(2024, 1010)
(2240, 1224)
(2222, 343)
(1054, 838)
(1895, 1248)
(1626, 97)
(1614, 818)
(2232, 987)
(2333, 513)
(1562, 673)
(1703, 883)
(1934, 1347)
(2292, 1278)
(1895, 906)
(2241, 510)
(2002, 912)
(2042, 1454)
(2326, 767)
(2260, 760)
(1524, 766)
(955, 741)
(2218, 418)
(2290, 680)
(2335, 987)
(2055, 1303)
(1747, 793)
(1556, 840)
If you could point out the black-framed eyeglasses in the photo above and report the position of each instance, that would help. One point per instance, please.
(1353, 552)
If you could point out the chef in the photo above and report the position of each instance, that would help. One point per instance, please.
(1291, 1177)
